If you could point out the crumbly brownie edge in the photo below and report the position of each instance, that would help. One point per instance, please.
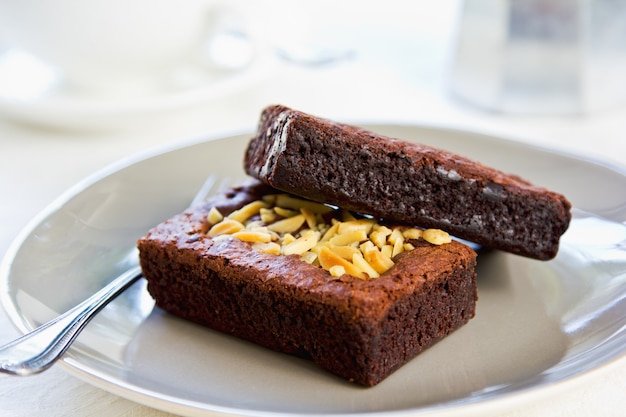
(353, 329)
(406, 182)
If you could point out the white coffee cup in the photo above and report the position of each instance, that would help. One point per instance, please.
(118, 46)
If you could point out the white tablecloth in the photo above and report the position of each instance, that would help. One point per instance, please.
(396, 75)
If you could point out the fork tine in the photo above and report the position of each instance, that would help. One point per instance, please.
(212, 185)
(205, 190)
(224, 184)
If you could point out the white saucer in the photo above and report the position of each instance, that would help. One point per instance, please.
(33, 92)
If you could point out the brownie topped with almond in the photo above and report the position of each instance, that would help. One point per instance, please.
(357, 296)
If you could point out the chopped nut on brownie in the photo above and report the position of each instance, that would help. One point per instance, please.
(328, 237)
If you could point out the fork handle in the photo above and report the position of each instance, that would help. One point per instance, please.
(37, 350)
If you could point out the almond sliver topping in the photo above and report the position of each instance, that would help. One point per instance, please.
(331, 238)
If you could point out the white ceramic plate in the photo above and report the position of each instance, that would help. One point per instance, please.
(33, 92)
(538, 324)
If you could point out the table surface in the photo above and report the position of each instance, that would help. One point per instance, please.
(402, 79)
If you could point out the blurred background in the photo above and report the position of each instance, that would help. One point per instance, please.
(85, 84)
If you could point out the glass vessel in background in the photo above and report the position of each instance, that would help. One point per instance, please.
(541, 56)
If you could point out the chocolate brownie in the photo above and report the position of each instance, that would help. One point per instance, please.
(359, 329)
(406, 182)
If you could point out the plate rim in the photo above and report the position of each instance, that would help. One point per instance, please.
(172, 404)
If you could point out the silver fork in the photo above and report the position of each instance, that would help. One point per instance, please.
(39, 349)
